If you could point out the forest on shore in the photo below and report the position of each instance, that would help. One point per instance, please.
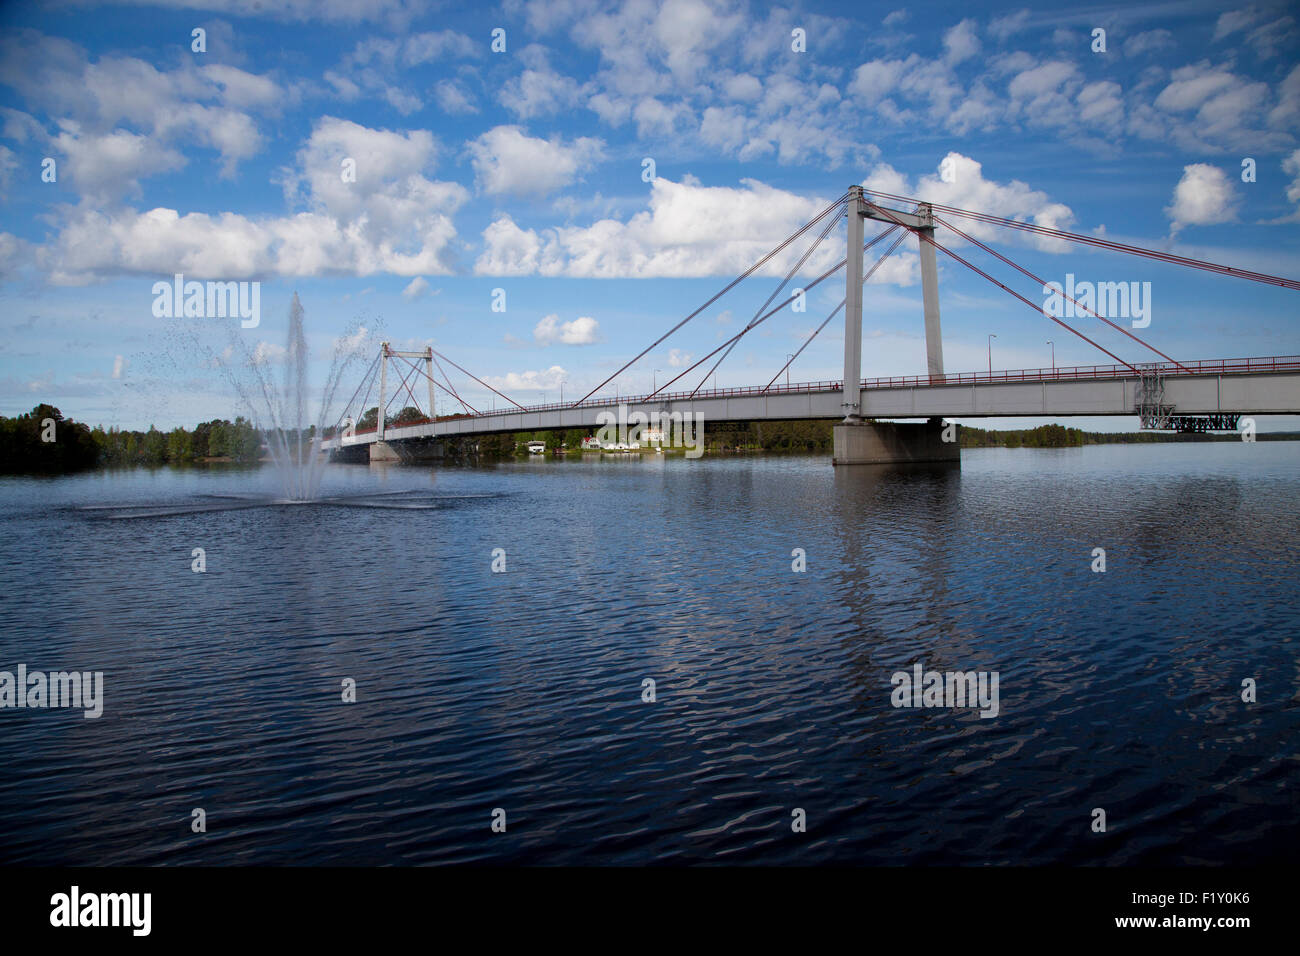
(43, 441)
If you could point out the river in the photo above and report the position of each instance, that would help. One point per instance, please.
(772, 736)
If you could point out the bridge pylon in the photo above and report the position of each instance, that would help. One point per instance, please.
(856, 441)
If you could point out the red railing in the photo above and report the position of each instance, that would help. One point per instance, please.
(1280, 363)
(1204, 367)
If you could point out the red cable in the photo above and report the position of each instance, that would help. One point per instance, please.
(1071, 298)
(1100, 243)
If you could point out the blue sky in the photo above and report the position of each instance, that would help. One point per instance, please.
(523, 170)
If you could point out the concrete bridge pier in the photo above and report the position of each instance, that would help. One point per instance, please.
(382, 451)
(855, 440)
(892, 443)
(411, 451)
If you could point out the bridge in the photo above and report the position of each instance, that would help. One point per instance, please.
(1198, 396)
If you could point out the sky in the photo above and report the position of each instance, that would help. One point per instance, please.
(608, 167)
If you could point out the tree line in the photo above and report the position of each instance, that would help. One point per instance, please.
(44, 441)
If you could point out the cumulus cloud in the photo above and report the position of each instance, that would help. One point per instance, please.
(688, 230)
(580, 331)
(1202, 197)
(1210, 108)
(961, 42)
(373, 68)
(392, 219)
(539, 92)
(969, 189)
(104, 167)
(508, 161)
(190, 105)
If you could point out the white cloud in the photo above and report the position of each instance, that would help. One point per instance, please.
(530, 381)
(679, 359)
(1231, 21)
(1149, 41)
(1202, 197)
(267, 353)
(416, 288)
(1265, 38)
(969, 189)
(454, 98)
(8, 163)
(395, 13)
(539, 93)
(390, 220)
(875, 80)
(186, 106)
(580, 331)
(1291, 165)
(961, 42)
(508, 161)
(509, 250)
(104, 167)
(743, 87)
(688, 230)
(1005, 27)
(1210, 108)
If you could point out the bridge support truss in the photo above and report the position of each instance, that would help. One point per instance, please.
(1155, 414)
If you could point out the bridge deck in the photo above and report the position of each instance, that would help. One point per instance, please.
(1268, 385)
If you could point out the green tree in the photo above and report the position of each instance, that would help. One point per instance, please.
(180, 446)
(154, 450)
(408, 415)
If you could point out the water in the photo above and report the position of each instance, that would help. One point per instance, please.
(522, 690)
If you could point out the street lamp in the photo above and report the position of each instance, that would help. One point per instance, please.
(1053, 345)
(992, 336)
(789, 359)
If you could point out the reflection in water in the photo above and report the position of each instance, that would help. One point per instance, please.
(523, 689)
(397, 500)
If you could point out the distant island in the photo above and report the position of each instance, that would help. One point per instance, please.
(43, 441)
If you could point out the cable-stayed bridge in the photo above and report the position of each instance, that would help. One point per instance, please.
(1166, 393)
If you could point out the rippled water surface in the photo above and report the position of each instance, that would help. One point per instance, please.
(523, 691)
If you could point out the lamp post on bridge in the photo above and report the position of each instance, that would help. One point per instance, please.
(654, 380)
(992, 336)
(1053, 345)
(788, 360)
